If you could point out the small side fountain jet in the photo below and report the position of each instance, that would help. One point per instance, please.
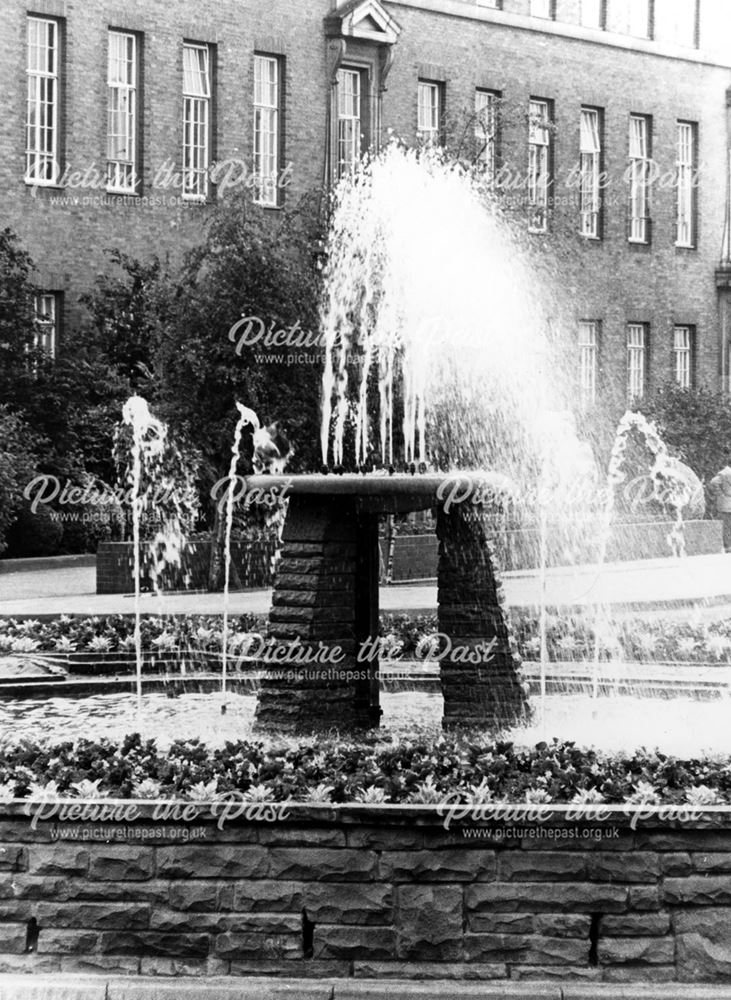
(272, 450)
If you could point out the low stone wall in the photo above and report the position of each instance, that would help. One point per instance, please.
(366, 892)
(415, 556)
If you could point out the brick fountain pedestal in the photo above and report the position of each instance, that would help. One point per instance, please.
(326, 603)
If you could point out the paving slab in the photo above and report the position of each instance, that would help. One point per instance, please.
(695, 582)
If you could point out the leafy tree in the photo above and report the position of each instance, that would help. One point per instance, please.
(249, 266)
(694, 423)
(17, 466)
(124, 307)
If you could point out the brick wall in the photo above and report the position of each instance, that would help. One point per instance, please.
(366, 892)
(608, 281)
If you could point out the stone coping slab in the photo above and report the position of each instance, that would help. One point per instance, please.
(264, 814)
(24, 987)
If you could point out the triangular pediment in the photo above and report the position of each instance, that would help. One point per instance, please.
(364, 19)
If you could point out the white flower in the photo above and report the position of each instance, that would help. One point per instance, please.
(24, 644)
(537, 796)
(44, 793)
(323, 793)
(87, 789)
(6, 643)
(147, 789)
(258, 793)
(687, 645)
(718, 646)
(100, 644)
(164, 641)
(587, 797)
(373, 795)
(65, 645)
(702, 795)
(567, 643)
(647, 642)
(7, 791)
(481, 794)
(203, 791)
(203, 634)
(644, 795)
(426, 792)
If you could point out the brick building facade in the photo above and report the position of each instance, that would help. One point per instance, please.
(114, 115)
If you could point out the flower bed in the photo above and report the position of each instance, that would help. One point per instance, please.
(468, 769)
(570, 638)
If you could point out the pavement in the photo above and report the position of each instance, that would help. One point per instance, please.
(68, 987)
(696, 584)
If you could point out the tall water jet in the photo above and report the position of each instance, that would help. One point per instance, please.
(148, 441)
(667, 487)
(246, 418)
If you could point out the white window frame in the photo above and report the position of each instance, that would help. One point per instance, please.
(588, 343)
(685, 23)
(639, 173)
(429, 123)
(197, 97)
(46, 317)
(590, 153)
(541, 8)
(486, 105)
(122, 113)
(349, 137)
(539, 166)
(639, 18)
(683, 356)
(43, 59)
(685, 216)
(267, 128)
(593, 14)
(636, 360)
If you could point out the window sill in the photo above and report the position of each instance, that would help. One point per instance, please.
(686, 246)
(590, 239)
(46, 185)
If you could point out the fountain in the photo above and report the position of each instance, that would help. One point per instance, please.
(400, 348)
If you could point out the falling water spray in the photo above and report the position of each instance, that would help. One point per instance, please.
(246, 418)
(148, 441)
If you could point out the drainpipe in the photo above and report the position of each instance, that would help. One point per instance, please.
(723, 271)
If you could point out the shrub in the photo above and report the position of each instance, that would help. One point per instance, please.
(17, 463)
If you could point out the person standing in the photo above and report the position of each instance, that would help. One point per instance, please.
(720, 491)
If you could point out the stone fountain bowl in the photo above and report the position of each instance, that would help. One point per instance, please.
(390, 494)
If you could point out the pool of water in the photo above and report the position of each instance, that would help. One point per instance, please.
(682, 726)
